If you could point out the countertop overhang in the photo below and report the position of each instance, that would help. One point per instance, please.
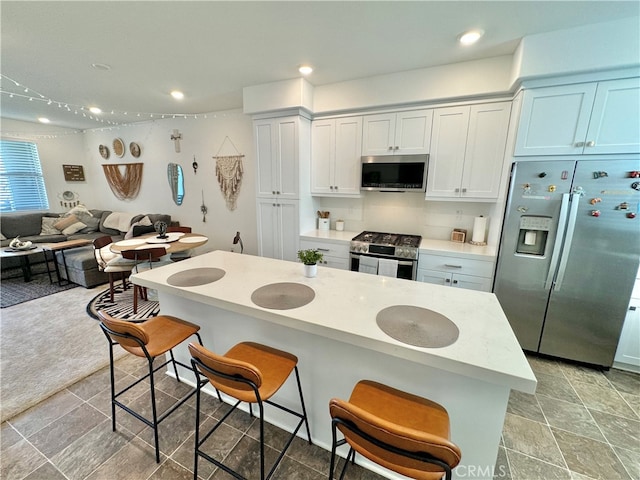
(345, 308)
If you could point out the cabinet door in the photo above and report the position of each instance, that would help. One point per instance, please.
(554, 120)
(266, 154)
(348, 140)
(278, 228)
(268, 233)
(448, 144)
(322, 156)
(615, 118)
(484, 154)
(287, 161)
(413, 132)
(378, 134)
(471, 283)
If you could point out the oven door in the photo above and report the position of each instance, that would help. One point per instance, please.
(406, 268)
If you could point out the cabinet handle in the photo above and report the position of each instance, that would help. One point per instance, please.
(452, 266)
(323, 249)
(447, 280)
(464, 190)
(455, 282)
(591, 143)
(396, 147)
(336, 187)
(277, 192)
(579, 144)
(390, 147)
(457, 190)
(273, 192)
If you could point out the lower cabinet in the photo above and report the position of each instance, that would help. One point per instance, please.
(455, 272)
(278, 228)
(334, 255)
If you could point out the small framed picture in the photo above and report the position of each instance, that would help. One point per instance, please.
(73, 173)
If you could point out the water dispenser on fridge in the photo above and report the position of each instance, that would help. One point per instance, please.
(534, 231)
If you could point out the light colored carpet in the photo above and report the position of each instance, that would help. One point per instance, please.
(46, 345)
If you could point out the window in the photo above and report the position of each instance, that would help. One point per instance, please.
(21, 181)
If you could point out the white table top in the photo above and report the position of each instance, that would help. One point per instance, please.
(345, 309)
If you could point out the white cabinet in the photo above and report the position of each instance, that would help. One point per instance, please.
(276, 141)
(455, 272)
(586, 118)
(278, 228)
(467, 151)
(398, 133)
(334, 255)
(336, 148)
(628, 351)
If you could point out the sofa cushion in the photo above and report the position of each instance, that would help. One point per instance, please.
(102, 228)
(47, 226)
(65, 222)
(81, 258)
(92, 224)
(23, 224)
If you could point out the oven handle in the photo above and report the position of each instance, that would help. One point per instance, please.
(400, 262)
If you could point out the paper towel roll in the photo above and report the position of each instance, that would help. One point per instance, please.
(479, 230)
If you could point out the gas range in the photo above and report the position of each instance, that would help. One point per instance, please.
(390, 245)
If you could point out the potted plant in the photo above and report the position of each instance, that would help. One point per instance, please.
(310, 259)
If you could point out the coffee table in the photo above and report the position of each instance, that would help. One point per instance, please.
(23, 255)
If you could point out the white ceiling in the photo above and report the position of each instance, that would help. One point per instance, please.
(211, 50)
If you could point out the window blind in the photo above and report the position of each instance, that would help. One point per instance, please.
(21, 180)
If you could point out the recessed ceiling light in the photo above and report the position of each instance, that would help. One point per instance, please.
(101, 66)
(470, 37)
(177, 94)
(305, 69)
(95, 110)
(43, 120)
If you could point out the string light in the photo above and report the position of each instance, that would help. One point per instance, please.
(31, 95)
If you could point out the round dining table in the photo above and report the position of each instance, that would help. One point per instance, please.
(175, 242)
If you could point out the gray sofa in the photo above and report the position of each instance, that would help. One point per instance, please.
(81, 263)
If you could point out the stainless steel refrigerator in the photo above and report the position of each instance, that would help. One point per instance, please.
(569, 254)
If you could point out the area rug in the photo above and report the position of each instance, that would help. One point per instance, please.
(14, 290)
(122, 305)
(47, 345)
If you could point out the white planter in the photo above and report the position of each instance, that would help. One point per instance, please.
(310, 270)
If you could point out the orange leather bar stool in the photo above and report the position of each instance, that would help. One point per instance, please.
(149, 339)
(252, 373)
(400, 431)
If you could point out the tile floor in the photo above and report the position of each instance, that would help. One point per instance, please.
(581, 424)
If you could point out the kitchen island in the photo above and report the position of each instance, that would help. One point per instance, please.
(338, 341)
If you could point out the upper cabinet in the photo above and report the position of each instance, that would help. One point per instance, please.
(399, 133)
(586, 118)
(276, 141)
(336, 148)
(467, 151)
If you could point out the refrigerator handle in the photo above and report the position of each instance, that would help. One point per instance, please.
(566, 249)
(555, 255)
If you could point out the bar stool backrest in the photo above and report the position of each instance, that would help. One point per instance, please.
(145, 255)
(234, 377)
(122, 332)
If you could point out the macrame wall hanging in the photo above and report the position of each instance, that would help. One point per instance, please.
(229, 172)
(127, 186)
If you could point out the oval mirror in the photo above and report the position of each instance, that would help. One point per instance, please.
(176, 182)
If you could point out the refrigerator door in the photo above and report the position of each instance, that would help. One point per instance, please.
(525, 272)
(596, 272)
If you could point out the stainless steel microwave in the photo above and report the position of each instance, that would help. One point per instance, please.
(394, 173)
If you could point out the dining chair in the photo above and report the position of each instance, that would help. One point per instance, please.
(177, 256)
(145, 259)
(111, 263)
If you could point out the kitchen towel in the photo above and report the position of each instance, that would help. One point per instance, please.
(388, 267)
(368, 265)
(479, 230)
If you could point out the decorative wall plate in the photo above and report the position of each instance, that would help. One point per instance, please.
(104, 151)
(68, 195)
(118, 147)
(134, 148)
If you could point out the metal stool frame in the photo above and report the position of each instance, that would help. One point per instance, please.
(153, 423)
(196, 364)
(420, 456)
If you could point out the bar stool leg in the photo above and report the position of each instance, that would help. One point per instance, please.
(154, 410)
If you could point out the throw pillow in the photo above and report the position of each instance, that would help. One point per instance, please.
(2, 237)
(47, 226)
(73, 228)
(142, 230)
(92, 224)
(65, 222)
(144, 221)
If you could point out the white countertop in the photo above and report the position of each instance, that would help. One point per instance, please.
(345, 309)
(428, 246)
